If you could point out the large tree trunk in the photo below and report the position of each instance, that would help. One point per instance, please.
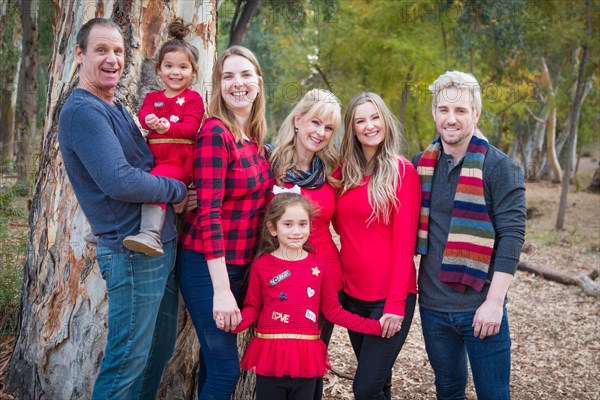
(27, 100)
(62, 322)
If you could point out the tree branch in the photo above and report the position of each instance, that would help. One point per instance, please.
(240, 27)
(342, 374)
(584, 281)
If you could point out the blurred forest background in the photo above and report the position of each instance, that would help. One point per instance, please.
(526, 54)
(535, 59)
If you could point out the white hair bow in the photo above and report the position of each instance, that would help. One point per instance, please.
(277, 190)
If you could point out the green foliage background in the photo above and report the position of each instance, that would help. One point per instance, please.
(390, 47)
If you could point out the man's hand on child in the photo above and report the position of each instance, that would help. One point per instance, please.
(184, 205)
(192, 200)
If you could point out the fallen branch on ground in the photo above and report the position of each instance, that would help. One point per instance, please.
(342, 374)
(584, 281)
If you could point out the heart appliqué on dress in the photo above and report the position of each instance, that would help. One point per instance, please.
(310, 291)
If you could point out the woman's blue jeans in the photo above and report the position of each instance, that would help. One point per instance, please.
(142, 322)
(219, 364)
(449, 339)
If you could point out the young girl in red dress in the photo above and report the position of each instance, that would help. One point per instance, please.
(288, 287)
(173, 117)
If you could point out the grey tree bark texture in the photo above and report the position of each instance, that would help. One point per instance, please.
(62, 321)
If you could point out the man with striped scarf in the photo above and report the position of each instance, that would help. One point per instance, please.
(470, 234)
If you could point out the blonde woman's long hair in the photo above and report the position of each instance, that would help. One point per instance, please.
(256, 128)
(385, 178)
(317, 103)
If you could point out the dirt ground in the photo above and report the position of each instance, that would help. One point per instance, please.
(555, 348)
(555, 329)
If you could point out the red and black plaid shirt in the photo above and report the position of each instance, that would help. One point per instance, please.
(232, 183)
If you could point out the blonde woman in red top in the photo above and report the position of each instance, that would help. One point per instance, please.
(376, 215)
(304, 155)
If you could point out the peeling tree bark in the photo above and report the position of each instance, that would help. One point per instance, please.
(62, 322)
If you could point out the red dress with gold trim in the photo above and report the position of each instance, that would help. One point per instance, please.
(285, 297)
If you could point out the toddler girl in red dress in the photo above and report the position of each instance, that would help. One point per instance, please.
(173, 117)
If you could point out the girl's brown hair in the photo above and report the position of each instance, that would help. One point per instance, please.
(178, 30)
(268, 243)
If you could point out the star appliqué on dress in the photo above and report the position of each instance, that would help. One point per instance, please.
(282, 296)
(316, 271)
(180, 100)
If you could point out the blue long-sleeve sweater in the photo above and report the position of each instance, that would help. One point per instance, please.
(107, 161)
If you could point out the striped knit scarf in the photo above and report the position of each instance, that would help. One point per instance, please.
(470, 243)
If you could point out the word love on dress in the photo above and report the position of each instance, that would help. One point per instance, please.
(277, 316)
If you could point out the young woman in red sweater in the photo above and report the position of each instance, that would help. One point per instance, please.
(172, 116)
(288, 287)
(376, 215)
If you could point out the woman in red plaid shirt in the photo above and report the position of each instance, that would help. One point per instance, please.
(233, 179)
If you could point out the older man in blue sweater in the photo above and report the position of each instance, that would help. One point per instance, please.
(107, 161)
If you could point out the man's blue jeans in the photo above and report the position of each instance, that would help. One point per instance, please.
(142, 322)
(219, 368)
(449, 340)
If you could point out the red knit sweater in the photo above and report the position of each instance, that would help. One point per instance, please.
(378, 259)
(285, 297)
(185, 113)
